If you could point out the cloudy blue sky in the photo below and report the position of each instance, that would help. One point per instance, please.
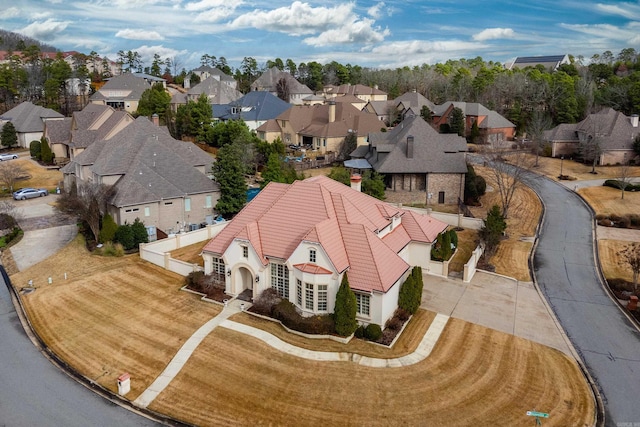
(387, 33)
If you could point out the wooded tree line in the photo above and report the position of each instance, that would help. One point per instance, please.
(565, 96)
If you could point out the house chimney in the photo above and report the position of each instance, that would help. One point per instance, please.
(332, 111)
(356, 182)
(410, 147)
(187, 83)
(155, 119)
(634, 120)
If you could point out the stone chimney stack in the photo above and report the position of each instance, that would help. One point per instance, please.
(410, 147)
(356, 182)
(155, 119)
(634, 120)
(332, 111)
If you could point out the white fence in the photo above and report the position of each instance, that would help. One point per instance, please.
(456, 220)
(470, 266)
(158, 252)
(439, 268)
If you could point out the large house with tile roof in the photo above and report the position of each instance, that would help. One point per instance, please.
(417, 162)
(337, 230)
(321, 127)
(363, 92)
(204, 72)
(407, 104)
(122, 92)
(72, 135)
(254, 108)
(279, 83)
(494, 128)
(158, 179)
(29, 121)
(615, 131)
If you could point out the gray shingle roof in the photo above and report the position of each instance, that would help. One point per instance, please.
(153, 165)
(414, 101)
(58, 131)
(217, 91)
(432, 152)
(28, 117)
(269, 79)
(126, 86)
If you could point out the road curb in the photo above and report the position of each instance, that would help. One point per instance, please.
(600, 412)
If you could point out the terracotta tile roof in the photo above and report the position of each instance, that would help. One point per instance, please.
(343, 221)
(311, 268)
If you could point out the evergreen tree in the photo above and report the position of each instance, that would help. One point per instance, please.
(139, 232)
(475, 133)
(45, 150)
(344, 313)
(154, 101)
(273, 170)
(9, 136)
(373, 185)
(108, 230)
(228, 171)
(35, 150)
(491, 232)
(348, 144)
(456, 124)
(406, 295)
(124, 236)
(340, 174)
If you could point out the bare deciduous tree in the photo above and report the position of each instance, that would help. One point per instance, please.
(631, 255)
(88, 202)
(10, 172)
(624, 174)
(507, 170)
(540, 122)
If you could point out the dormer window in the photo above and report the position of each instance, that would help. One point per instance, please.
(312, 255)
(245, 251)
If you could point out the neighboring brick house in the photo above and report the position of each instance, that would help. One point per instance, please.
(217, 91)
(121, 92)
(615, 132)
(158, 179)
(278, 82)
(494, 128)
(29, 121)
(320, 127)
(69, 137)
(302, 238)
(363, 92)
(255, 108)
(417, 161)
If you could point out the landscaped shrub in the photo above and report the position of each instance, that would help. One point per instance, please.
(45, 152)
(266, 301)
(35, 150)
(394, 324)
(606, 222)
(7, 221)
(108, 230)
(359, 332)
(139, 232)
(112, 249)
(601, 217)
(373, 332)
(614, 217)
(402, 314)
(124, 235)
(634, 220)
(410, 295)
(453, 236)
(286, 312)
(623, 222)
(614, 183)
(195, 280)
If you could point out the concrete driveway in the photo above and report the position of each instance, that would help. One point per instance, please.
(45, 231)
(497, 302)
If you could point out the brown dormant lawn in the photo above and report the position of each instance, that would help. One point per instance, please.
(111, 315)
(38, 176)
(474, 376)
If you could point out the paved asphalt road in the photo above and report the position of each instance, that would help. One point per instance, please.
(565, 270)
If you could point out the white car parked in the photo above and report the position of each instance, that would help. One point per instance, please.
(8, 156)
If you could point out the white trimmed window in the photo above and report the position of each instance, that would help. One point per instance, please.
(147, 211)
(322, 297)
(308, 296)
(208, 202)
(362, 300)
(218, 268)
(280, 279)
(187, 204)
(299, 292)
(312, 255)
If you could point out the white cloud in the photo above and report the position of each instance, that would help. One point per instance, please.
(9, 13)
(297, 19)
(361, 32)
(45, 30)
(627, 33)
(139, 35)
(206, 4)
(375, 10)
(494, 33)
(627, 10)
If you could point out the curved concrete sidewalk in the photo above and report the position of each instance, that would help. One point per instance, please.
(182, 356)
(38, 245)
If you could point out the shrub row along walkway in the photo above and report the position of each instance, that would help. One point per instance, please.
(422, 352)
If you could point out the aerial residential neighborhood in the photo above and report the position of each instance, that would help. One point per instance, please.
(277, 243)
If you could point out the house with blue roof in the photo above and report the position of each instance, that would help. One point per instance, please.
(254, 108)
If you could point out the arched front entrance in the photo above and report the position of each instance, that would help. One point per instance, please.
(243, 281)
